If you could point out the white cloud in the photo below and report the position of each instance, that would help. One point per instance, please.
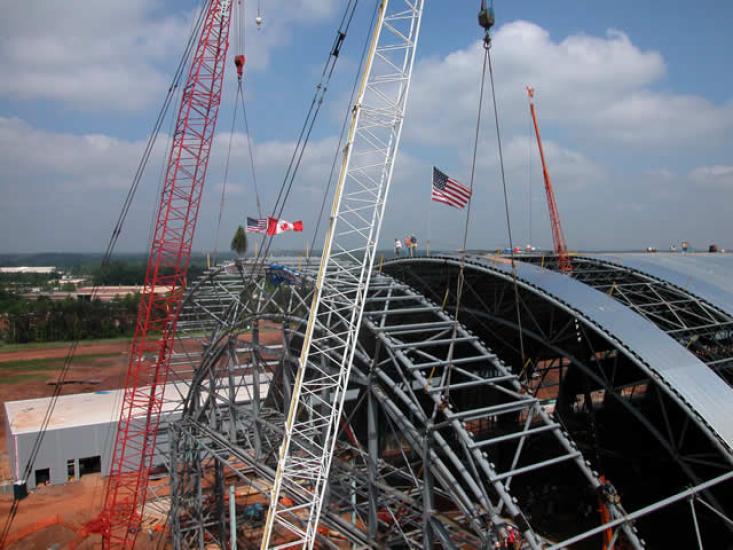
(89, 54)
(95, 55)
(69, 188)
(64, 161)
(718, 175)
(601, 88)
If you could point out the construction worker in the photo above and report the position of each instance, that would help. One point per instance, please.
(411, 244)
(397, 247)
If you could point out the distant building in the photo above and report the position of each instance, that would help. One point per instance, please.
(48, 270)
(103, 293)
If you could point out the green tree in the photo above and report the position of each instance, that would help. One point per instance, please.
(239, 242)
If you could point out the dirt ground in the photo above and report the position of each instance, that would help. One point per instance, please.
(31, 374)
(54, 514)
(41, 522)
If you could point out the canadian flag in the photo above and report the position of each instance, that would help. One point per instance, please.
(275, 226)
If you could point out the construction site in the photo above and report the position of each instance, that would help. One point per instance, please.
(454, 399)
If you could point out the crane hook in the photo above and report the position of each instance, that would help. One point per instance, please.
(486, 20)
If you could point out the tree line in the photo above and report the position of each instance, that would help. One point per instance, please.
(25, 320)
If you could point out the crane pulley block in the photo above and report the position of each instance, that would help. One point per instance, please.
(239, 61)
(486, 16)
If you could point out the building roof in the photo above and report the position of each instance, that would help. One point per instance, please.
(100, 407)
(704, 393)
(708, 276)
(28, 269)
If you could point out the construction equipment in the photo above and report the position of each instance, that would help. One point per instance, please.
(558, 238)
(346, 265)
(168, 262)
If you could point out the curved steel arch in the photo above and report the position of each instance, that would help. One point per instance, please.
(703, 327)
(611, 346)
(403, 395)
(709, 276)
(684, 378)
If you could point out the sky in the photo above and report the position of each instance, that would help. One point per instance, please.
(634, 102)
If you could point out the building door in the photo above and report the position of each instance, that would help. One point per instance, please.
(43, 476)
(90, 465)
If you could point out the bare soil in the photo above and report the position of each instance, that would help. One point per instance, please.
(56, 513)
(42, 520)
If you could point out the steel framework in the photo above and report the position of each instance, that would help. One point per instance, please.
(417, 431)
(344, 275)
(170, 252)
(589, 374)
(696, 324)
(483, 433)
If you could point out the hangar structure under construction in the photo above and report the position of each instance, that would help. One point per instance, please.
(453, 401)
(623, 402)
(603, 415)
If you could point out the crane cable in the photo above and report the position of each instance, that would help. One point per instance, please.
(114, 237)
(238, 100)
(460, 283)
(525, 362)
(251, 152)
(307, 129)
(337, 153)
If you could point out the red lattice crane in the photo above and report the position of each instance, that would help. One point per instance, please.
(558, 238)
(168, 262)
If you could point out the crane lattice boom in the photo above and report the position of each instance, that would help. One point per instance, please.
(558, 238)
(348, 257)
(168, 262)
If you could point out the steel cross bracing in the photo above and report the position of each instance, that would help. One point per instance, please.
(391, 490)
(167, 267)
(191, 456)
(451, 381)
(696, 324)
(401, 393)
(348, 256)
(559, 339)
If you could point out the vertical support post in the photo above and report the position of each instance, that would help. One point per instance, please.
(219, 499)
(232, 518)
(256, 404)
(373, 450)
(428, 503)
(174, 434)
(691, 500)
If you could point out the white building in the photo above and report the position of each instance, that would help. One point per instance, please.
(80, 435)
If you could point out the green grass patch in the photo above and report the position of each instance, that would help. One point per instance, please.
(59, 344)
(18, 378)
(51, 364)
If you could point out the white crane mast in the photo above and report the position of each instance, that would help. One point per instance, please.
(335, 317)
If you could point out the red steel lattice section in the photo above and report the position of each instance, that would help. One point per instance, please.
(168, 262)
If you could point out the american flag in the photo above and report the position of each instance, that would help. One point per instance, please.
(256, 225)
(449, 191)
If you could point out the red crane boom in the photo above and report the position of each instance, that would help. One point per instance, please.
(168, 262)
(558, 238)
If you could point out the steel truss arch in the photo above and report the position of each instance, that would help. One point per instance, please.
(561, 326)
(393, 398)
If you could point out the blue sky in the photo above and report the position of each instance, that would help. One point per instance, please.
(634, 102)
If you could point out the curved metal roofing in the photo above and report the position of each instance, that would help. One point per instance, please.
(688, 378)
(708, 276)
